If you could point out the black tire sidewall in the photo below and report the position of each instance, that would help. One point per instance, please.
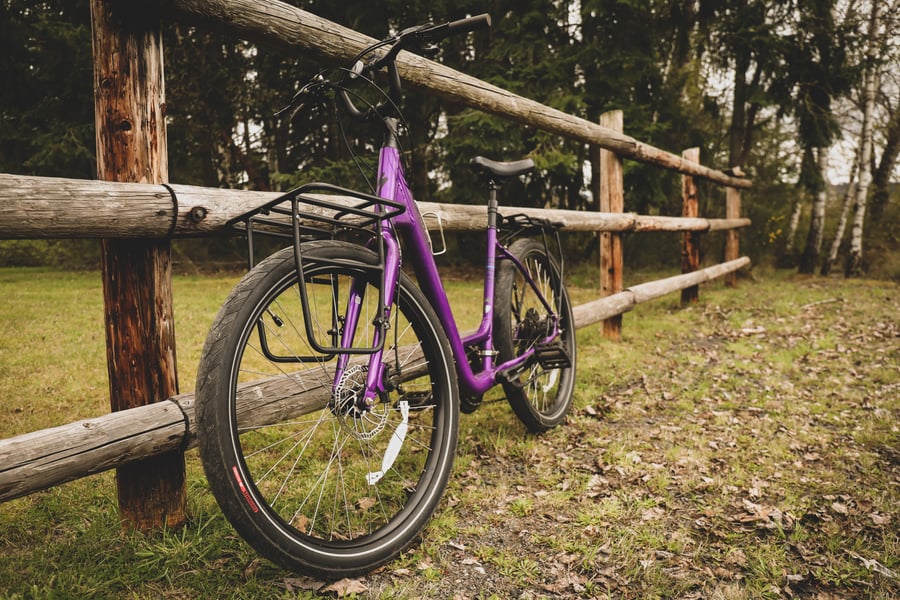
(533, 419)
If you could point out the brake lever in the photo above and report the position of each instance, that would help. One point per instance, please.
(430, 51)
(298, 102)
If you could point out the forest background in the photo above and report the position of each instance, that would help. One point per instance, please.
(802, 96)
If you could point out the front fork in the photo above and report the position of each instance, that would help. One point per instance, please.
(375, 372)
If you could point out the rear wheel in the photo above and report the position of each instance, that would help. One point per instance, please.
(307, 477)
(540, 394)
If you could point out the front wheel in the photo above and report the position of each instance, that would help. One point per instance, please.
(541, 393)
(308, 478)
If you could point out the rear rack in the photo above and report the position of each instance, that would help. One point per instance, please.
(521, 225)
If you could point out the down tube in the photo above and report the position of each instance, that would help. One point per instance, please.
(419, 249)
(412, 230)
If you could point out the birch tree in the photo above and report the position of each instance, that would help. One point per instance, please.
(817, 69)
(846, 204)
(854, 260)
(889, 109)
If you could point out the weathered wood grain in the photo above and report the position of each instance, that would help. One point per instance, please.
(732, 239)
(41, 459)
(612, 200)
(129, 113)
(58, 208)
(690, 240)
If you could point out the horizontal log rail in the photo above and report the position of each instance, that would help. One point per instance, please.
(49, 457)
(51, 207)
(36, 461)
(301, 33)
(616, 304)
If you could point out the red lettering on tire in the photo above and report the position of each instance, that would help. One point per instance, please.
(244, 492)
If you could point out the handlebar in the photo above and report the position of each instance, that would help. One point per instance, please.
(435, 33)
(411, 38)
(470, 24)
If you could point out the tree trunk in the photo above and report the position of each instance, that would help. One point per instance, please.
(882, 177)
(842, 222)
(137, 282)
(793, 224)
(854, 260)
(810, 257)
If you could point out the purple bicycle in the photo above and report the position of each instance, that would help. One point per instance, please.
(330, 386)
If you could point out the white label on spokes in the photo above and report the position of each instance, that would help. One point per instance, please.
(393, 449)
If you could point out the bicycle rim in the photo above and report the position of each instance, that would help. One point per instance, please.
(539, 396)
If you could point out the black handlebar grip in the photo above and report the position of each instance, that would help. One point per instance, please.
(469, 24)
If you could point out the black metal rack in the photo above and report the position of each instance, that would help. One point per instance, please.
(322, 211)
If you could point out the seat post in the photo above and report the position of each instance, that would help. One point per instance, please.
(492, 203)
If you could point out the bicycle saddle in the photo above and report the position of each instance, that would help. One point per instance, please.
(501, 170)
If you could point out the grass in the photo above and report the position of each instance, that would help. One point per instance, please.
(744, 447)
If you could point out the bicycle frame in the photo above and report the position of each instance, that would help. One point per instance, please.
(410, 227)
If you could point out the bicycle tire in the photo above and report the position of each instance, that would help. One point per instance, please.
(298, 490)
(539, 396)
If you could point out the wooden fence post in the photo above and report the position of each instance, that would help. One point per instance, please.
(612, 199)
(732, 248)
(690, 240)
(129, 106)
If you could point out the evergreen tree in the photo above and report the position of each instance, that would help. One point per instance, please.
(47, 100)
(47, 110)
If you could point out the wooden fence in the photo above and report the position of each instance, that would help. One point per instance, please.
(136, 213)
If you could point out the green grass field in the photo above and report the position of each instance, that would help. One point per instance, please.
(745, 447)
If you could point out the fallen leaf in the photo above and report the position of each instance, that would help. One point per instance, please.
(424, 565)
(840, 508)
(302, 584)
(345, 587)
(365, 503)
(873, 565)
(652, 514)
(301, 522)
(880, 519)
(736, 557)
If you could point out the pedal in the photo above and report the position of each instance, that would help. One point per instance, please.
(552, 355)
(511, 376)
